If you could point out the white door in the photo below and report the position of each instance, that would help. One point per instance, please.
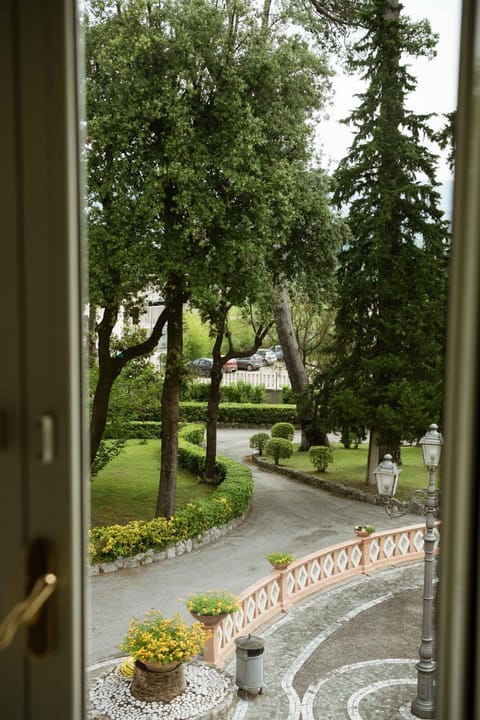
(41, 406)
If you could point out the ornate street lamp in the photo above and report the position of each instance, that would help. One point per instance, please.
(386, 476)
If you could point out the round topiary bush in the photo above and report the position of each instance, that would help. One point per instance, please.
(279, 448)
(258, 441)
(283, 430)
(320, 457)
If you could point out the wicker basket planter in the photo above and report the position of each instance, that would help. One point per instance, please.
(157, 683)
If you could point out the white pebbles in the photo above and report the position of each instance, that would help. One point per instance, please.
(209, 694)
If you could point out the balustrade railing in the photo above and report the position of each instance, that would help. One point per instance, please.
(281, 589)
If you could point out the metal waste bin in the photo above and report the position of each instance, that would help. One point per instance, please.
(250, 650)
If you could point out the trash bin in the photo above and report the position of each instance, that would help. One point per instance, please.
(250, 650)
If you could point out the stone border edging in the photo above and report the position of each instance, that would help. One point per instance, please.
(331, 486)
(210, 536)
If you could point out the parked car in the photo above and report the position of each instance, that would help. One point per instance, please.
(231, 365)
(269, 357)
(277, 349)
(252, 362)
(203, 366)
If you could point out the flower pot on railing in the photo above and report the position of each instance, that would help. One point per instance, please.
(363, 530)
(280, 561)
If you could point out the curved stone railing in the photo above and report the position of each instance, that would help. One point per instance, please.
(281, 589)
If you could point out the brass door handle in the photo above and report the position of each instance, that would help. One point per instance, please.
(27, 610)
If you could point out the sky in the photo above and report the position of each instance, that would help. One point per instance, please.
(437, 81)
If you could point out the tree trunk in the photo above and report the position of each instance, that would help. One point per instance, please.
(170, 404)
(109, 368)
(214, 401)
(212, 418)
(373, 460)
(312, 432)
(376, 453)
(286, 335)
(100, 403)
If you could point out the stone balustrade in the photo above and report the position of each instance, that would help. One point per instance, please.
(280, 589)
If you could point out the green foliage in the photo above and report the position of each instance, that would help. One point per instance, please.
(230, 500)
(212, 602)
(283, 430)
(392, 277)
(258, 441)
(242, 392)
(135, 393)
(242, 414)
(108, 450)
(320, 457)
(279, 448)
(197, 341)
(288, 396)
(239, 392)
(194, 434)
(280, 558)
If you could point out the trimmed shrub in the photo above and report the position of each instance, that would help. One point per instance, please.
(258, 441)
(194, 434)
(279, 448)
(255, 414)
(242, 392)
(288, 396)
(320, 457)
(230, 500)
(283, 430)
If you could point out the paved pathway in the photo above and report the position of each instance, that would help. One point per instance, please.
(331, 657)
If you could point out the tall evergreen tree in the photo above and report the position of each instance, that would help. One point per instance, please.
(393, 272)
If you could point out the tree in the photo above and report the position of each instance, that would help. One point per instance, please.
(392, 279)
(185, 172)
(307, 257)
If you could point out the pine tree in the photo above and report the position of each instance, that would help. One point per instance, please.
(393, 272)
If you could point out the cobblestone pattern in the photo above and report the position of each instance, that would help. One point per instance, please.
(319, 666)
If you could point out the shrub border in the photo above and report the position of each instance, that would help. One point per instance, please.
(196, 524)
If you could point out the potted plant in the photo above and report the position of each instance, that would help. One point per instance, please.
(162, 644)
(363, 530)
(280, 561)
(212, 606)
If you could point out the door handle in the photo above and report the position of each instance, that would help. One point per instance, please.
(27, 610)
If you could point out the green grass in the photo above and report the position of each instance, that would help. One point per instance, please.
(349, 467)
(126, 489)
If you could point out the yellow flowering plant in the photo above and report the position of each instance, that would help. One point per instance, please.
(213, 602)
(164, 640)
(278, 558)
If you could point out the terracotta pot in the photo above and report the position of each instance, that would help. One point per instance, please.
(361, 533)
(280, 566)
(165, 667)
(208, 620)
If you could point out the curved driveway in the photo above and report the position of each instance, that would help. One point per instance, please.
(284, 516)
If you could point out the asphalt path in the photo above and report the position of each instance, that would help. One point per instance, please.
(285, 516)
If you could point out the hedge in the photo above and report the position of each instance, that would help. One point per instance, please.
(230, 500)
(254, 414)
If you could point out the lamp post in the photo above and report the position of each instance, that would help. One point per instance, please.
(386, 476)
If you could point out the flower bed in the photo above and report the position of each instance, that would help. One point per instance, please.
(228, 502)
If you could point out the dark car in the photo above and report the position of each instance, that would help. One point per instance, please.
(203, 366)
(252, 362)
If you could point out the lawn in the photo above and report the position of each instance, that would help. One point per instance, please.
(126, 489)
(348, 468)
